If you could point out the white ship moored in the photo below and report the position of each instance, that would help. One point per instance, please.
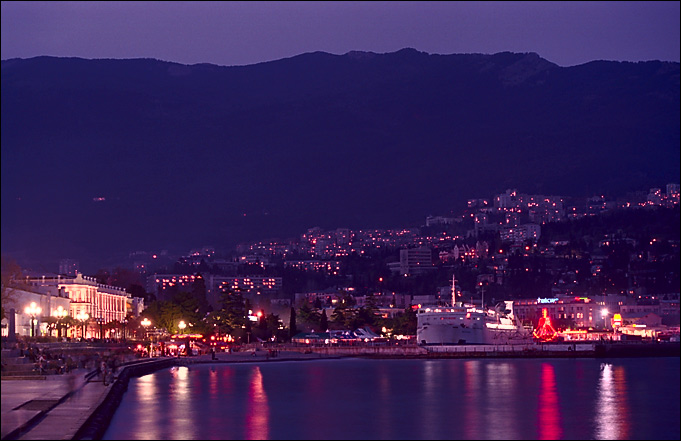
(467, 324)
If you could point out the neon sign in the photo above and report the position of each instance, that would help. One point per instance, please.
(547, 300)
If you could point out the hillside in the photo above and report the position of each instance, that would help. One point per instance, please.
(192, 155)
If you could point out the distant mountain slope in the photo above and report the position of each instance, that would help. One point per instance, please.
(181, 153)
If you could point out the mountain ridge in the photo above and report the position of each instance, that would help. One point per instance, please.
(359, 139)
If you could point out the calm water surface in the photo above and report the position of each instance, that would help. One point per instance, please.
(406, 399)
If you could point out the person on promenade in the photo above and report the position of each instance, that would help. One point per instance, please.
(41, 364)
(104, 372)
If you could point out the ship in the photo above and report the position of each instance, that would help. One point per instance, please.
(462, 323)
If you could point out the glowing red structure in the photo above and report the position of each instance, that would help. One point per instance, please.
(544, 330)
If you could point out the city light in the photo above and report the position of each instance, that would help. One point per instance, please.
(83, 317)
(33, 310)
(60, 313)
(146, 323)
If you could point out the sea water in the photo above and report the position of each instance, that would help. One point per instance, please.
(582, 398)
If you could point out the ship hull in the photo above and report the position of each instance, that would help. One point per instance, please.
(451, 335)
(455, 327)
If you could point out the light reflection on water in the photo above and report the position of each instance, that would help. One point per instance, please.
(146, 423)
(612, 408)
(471, 397)
(258, 413)
(405, 399)
(502, 420)
(550, 421)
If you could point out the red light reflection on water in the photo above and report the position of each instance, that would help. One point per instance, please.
(549, 418)
(257, 411)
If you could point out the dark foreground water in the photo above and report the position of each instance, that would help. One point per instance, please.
(406, 399)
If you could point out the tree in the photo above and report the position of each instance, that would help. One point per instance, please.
(340, 315)
(268, 327)
(403, 323)
(190, 307)
(308, 317)
(164, 314)
(324, 322)
(199, 293)
(231, 316)
(365, 316)
(293, 330)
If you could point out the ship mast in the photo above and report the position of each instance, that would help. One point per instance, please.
(453, 290)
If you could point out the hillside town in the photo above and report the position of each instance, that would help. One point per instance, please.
(592, 263)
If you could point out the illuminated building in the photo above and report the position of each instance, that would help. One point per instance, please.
(327, 266)
(252, 287)
(580, 312)
(48, 298)
(163, 284)
(521, 233)
(87, 296)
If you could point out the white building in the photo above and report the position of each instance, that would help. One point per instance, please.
(99, 301)
(48, 298)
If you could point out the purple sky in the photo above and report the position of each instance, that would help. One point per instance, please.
(239, 33)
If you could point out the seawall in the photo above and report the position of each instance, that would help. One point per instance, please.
(99, 420)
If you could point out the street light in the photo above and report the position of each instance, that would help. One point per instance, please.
(124, 322)
(100, 321)
(33, 310)
(60, 313)
(183, 325)
(83, 317)
(482, 294)
(146, 323)
(604, 314)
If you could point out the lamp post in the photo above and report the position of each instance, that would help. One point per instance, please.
(100, 321)
(146, 323)
(33, 310)
(60, 313)
(604, 314)
(183, 325)
(482, 294)
(83, 317)
(124, 322)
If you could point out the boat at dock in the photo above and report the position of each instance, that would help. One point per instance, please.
(461, 323)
